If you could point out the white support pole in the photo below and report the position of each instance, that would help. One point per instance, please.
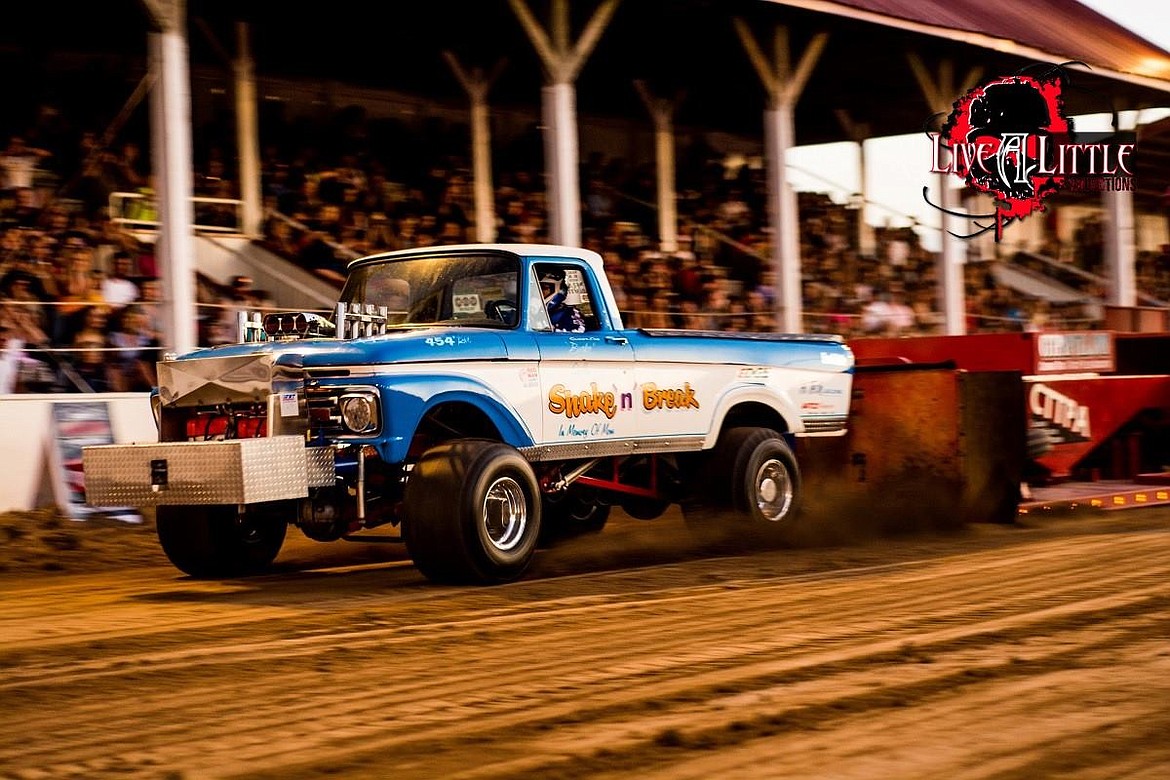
(248, 136)
(951, 292)
(477, 85)
(784, 217)
(481, 166)
(1120, 232)
(662, 115)
(667, 205)
(562, 60)
(171, 132)
(1120, 242)
(858, 132)
(939, 92)
(560, 155)
(866, 240)
(783, 84)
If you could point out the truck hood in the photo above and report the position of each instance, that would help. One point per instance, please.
(250, 372)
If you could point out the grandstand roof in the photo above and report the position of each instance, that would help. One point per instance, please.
(1055, 29)
(674, 45)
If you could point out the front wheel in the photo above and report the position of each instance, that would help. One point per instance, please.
(472, 512)
(220, 541)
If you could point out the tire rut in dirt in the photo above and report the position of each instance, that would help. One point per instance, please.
(659, 665)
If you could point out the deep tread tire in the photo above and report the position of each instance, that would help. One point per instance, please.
(215, 541)
(765, 480)
(752, 477)
(445, 528)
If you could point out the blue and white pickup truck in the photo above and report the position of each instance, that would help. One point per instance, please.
(440, 399)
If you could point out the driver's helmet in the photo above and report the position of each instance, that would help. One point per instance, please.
(548, 285)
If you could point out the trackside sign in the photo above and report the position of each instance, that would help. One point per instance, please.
(1062, 353)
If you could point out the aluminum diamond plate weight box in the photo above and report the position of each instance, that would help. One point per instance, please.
(239, 471)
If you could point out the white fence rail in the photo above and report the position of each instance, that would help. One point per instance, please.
(137, 211)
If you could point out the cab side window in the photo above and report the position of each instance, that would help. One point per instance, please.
(565, 297)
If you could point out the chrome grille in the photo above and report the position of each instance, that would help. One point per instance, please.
(323, 404)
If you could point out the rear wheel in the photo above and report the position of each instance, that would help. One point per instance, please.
(220, 541)
(473, 513)
(767, 481)
(751, 477)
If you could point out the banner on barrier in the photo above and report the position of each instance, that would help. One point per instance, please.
(77, 425)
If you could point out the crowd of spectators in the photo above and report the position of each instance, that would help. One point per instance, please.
(718, 278)
(78, 297)
(80, 300)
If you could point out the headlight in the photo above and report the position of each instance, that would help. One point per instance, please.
(359, 412)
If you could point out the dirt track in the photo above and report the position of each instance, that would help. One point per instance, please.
(999, 652)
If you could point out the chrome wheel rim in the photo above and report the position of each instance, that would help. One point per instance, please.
(773, 490)
(504, 514)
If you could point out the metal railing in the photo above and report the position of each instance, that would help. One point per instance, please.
(341, 250)
(138, 211)
(1074, 277)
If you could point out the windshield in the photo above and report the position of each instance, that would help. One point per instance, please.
(464, 289)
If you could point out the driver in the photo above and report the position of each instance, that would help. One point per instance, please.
(565, 317)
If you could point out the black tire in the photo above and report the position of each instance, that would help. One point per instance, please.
(569, 517)
(451, 527)
(765, 480)
(752, 477)
(640, 473)
(217, 541)
(642, 508)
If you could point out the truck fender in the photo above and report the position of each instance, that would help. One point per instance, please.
(410, 400)
(777, 400)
